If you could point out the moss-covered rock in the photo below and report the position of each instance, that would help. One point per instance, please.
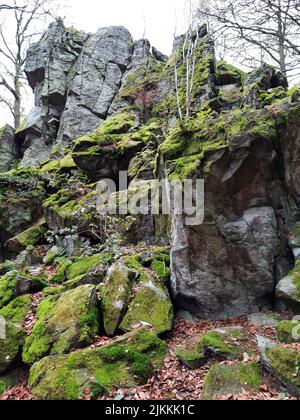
(116, 295)
(231, 379)
(65, 323)
(31, 236)
(288, 289)
(151, 304)
(125, 362)
(10, 343)
(17, 309)
(288, 332)
(15, 284)
(283, 363)
(229, 343)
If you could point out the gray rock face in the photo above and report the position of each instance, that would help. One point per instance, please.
(8, 148)
(47, 68)
(94, 82)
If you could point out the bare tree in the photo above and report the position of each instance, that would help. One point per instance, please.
(22, 22)
(257, 29)
(188, 59)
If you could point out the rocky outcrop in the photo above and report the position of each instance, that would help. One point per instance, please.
(9, 152)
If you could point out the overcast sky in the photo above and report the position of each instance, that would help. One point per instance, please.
(156, 18)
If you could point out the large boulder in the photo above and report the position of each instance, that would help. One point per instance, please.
(116, 295)
(65, 323)
(123, 363)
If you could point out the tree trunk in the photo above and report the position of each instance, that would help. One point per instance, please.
(281, 41)
(17, 102)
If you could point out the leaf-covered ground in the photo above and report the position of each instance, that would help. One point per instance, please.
(175, 381)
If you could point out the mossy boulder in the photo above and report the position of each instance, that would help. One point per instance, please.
(6, 382)
(288, 289)
(11, 341)
(65, 323)
(15, 284)
(288, 332)
(125, 362)
(116, 295)
(151, 304)
(17, 309)
(31, 236)
(283, 363)
(229, 343)
(231, 379)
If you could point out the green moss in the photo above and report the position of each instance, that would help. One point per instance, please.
(10, 346)
(152, 305)
(85, 265)
(162, 270)
(232, 379)
(125, 362)
(187, 145)
(222, 67)
(61, 270)
(222, 344)
(285, 362)
(65, 323)
(17, 309)
(288, 331)
(192, 354)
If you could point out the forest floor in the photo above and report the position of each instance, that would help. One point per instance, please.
(174, 381)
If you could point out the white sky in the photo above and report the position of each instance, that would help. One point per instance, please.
(156, 18)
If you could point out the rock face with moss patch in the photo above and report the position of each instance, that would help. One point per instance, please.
(232, 379)
(65, 323)
(9, 152)
(6, 382)
(31, 236)
(288, 289)
(283, 363)
(11, 341)
(124, 363)
(116, 295)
